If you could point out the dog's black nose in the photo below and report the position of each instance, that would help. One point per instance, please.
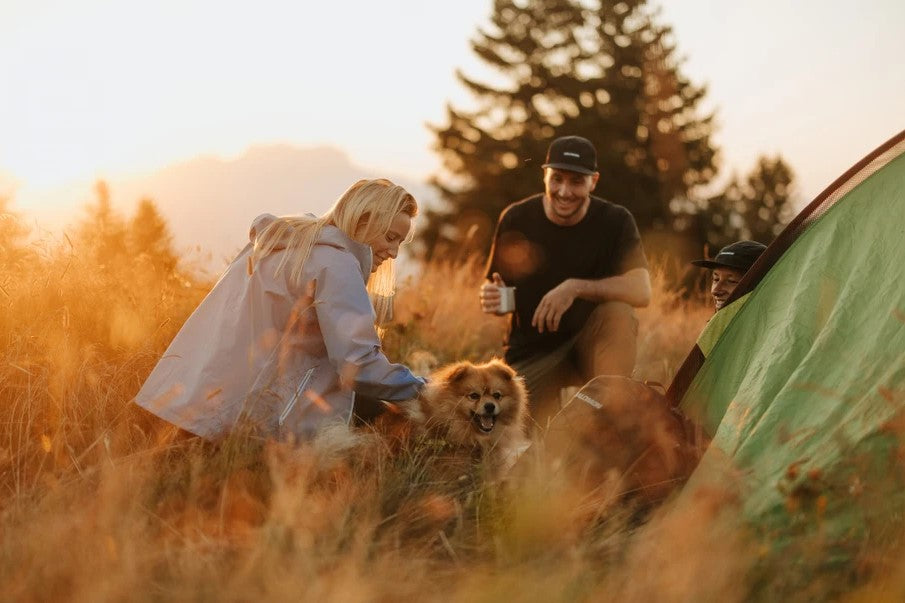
(489, 408)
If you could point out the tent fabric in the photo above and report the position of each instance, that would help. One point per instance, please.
(826, 199)
(803, 390)
(717, 324)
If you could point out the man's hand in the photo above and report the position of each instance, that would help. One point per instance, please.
(490, 294)
(553, 305)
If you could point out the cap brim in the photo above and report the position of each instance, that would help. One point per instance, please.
(711, 264)
(569, 168)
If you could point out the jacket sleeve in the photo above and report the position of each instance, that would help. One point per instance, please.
(346, 320)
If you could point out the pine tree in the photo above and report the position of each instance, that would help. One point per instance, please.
(756, 208)
(102, 233)
(605, 71)
(148, 237)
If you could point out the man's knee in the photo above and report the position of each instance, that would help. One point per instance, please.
(607, 343)
(611, 315)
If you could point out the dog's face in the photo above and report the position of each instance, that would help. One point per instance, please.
(477, 403)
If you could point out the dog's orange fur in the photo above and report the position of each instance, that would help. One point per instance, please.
(479, 410)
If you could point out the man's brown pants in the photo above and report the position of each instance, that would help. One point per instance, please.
(606, 345)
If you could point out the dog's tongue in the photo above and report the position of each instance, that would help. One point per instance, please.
(487, 421)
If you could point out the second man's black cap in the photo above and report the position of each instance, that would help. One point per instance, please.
(740, 255)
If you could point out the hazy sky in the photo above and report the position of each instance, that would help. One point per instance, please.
(103, 88)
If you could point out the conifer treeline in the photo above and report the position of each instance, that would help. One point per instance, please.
(605, 70)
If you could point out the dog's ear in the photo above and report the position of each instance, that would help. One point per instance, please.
(458, 372)
(501, 369)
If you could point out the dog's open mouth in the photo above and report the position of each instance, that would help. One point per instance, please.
(484, 423)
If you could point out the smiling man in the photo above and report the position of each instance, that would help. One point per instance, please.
(729, 266)
(578, 268)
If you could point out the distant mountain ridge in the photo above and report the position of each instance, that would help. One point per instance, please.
(210, 202)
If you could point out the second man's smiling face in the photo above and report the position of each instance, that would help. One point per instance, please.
(567, 195)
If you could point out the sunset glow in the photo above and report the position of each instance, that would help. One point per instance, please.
(100, 88)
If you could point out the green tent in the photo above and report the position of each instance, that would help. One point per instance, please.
(802, 393)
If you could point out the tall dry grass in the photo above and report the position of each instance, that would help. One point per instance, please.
(96, 504)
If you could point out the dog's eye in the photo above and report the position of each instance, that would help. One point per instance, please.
(474, 396)
(497, 395)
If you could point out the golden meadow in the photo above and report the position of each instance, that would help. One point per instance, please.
(96, 506)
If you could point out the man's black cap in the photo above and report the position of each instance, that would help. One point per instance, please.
(572, 153)
(740, 255)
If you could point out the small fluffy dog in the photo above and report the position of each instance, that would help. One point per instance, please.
(479, 410)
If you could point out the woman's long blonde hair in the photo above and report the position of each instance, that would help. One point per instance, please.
(365, 211)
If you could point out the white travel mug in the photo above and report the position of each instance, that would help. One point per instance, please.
(507, 300)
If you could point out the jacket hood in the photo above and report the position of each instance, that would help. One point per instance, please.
(329, 235)
(334, 237)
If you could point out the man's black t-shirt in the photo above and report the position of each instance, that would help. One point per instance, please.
(535, 255)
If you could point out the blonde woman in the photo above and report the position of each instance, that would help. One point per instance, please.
(286, 339)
